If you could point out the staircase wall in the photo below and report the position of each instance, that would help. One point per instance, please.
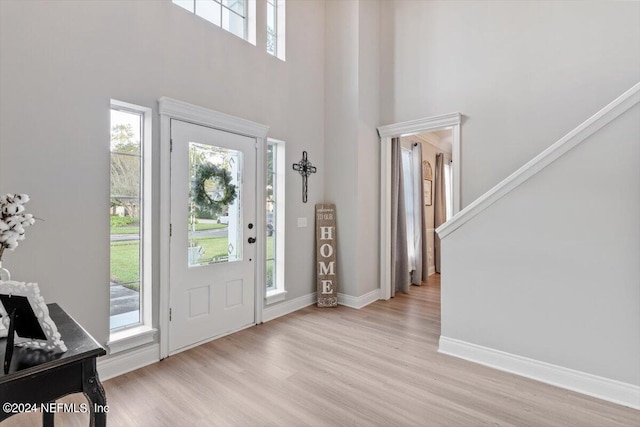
(551, 271)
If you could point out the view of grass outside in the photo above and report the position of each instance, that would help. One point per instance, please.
(125, 253)
(215, 248)
(134, 229)
(125, 260)
(270, 263)
(126, 208)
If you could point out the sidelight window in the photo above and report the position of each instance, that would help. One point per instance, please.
(130, 219)
(275, 221)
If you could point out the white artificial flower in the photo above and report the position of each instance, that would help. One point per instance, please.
(22, 198)
(10, 209)
(13, 220)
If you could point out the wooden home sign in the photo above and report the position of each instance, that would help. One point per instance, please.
(326, 255)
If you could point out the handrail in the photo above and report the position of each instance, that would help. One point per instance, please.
(621, 104)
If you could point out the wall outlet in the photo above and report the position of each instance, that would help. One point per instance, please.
(302, 222)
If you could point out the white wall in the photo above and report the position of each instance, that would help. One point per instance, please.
(523, 73)
(61, 62)
(551, 271)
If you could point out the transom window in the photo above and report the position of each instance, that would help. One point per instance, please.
(230, 15)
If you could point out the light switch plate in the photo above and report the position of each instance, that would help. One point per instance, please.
(302, 222)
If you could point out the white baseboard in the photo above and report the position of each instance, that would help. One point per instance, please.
(276, 310)
(359, 302)
(581, 382)
(121, 363)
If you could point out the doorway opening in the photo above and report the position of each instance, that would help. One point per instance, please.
(440, 134)
(426, 171)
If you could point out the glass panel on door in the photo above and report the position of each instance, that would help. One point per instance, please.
(215, 217)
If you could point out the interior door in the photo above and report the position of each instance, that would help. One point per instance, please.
(212, 290)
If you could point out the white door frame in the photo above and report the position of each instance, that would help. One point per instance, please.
(453, 121)
(174, 109)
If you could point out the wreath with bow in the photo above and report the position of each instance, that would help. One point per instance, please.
(201, 198)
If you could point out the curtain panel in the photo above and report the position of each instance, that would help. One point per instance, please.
(439, 205)
(400, 279)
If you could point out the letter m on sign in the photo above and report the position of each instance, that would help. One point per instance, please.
(326, 279)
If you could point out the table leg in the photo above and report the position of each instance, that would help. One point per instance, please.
(47, 419)
(93, 390)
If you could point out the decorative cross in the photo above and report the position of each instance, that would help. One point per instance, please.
(305, 168)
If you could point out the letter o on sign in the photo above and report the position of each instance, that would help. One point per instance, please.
(326, 250)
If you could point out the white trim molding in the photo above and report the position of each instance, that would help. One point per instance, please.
(284, 308)
(542, 160)
(114, 365)
(581, 382)
(275, 296)
(412, 127)
(446, 121)
(172, 109)
(361, 301)
(129, 338)
(277, 310)
(203, 116)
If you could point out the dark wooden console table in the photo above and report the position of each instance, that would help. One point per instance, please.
(37, 377)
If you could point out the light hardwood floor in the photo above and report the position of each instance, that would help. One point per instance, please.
(378, 366)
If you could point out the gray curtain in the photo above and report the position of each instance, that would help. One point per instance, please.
(424, 228)
(400, 280)
(439, 205)
(422, 267)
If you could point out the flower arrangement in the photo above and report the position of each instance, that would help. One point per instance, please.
(13, 220)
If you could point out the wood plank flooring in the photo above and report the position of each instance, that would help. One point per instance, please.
(378, 366)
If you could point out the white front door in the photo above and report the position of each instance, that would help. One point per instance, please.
(213, 232)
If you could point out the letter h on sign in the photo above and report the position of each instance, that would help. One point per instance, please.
(327, 284)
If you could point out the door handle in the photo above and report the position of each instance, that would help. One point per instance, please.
(251, 240)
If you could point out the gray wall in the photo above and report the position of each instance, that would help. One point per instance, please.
(523, 73)
(341, 132)
(352, 145)
(61, 62)
(551, 270)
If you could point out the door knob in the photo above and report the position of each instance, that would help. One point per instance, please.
(251, 240)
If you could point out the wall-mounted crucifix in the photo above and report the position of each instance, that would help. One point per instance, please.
(305, 168)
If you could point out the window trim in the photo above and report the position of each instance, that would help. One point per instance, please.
(280, 21)
(278, 293)
(249, 17)
(273, 3)
(127, 337)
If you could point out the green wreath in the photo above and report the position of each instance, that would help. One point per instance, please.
(204, 173)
